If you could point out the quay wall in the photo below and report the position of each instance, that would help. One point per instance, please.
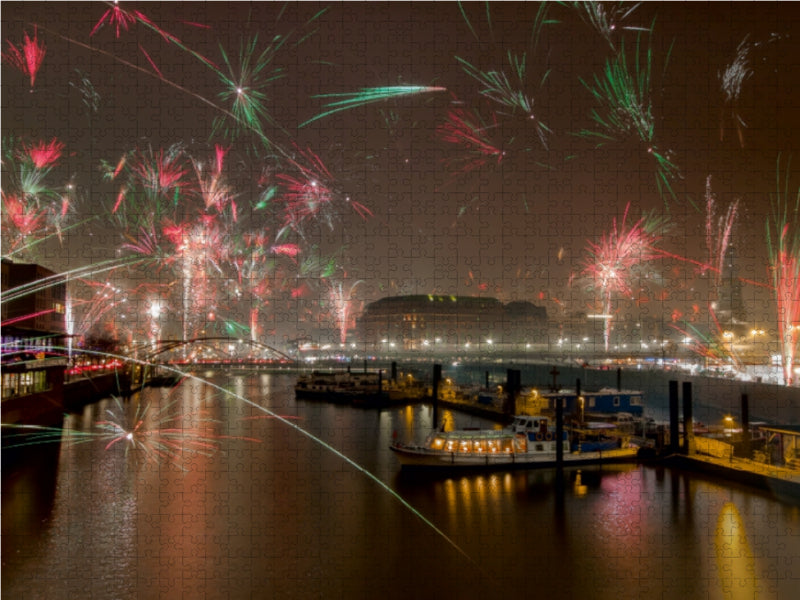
(713, 397)
(86, 390)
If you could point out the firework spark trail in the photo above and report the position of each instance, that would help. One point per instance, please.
(34, 287)
(702, 267)
(718, 232)
(539, 21)
(783, 243)
(465, 129)
(28, 56)
(342, 300)
(732, 78)
(120, 18)
(364, 96)
(606, 18)
(88, 94)
(211, 184)
(612, 261)
(624, 94)
(714, 347)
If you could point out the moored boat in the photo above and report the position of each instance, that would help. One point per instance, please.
(530, 441)
(345, 386)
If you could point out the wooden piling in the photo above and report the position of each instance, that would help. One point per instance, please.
(746, 448)
(437, 378)
(688, 422)
(559, 432)
(674, 442)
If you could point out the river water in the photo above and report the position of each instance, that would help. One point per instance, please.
(237, 490)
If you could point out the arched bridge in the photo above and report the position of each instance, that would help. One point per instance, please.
(213, 351)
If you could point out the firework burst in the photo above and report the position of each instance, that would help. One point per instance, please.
(623, 91)
(310, 193)
(32, 209)
(342, 303)
(28, 56)
(614, 259)
(245, 88)
(466, 130)
(607, 18)
(783, 241)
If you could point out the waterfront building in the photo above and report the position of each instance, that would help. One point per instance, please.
(428, 322)
(32, 334)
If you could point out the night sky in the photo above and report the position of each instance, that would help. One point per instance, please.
(409, 211)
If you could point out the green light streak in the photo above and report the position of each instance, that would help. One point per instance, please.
(368, 95)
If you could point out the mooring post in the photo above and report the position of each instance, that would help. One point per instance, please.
(437, 377)
(688, 423)
(559, 431)
(673, 417)
(619, 379)
(746, 426)
(513, 379)
(394, 371)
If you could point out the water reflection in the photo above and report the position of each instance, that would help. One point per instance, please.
(28, 495)
(289, 517)
(735, 560)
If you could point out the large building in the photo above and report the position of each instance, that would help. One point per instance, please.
(33, 331)
(422, 322)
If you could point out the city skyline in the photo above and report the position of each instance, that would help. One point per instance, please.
(264, 168)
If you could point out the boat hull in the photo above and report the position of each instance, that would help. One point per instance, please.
(417, 457)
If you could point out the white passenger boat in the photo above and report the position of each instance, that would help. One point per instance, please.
(529, 442)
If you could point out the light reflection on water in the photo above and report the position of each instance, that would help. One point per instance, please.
(284, 517)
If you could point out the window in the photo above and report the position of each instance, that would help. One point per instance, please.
(616, 400)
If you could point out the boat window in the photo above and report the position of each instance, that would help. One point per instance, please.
(616, 400)
(540, 447)
(535, 423)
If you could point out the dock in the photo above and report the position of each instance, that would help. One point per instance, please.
(782, 482)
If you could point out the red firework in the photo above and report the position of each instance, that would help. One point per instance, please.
(465, 129)
(44, 154)
(611, 261)
(26, 218)
(28, 56)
